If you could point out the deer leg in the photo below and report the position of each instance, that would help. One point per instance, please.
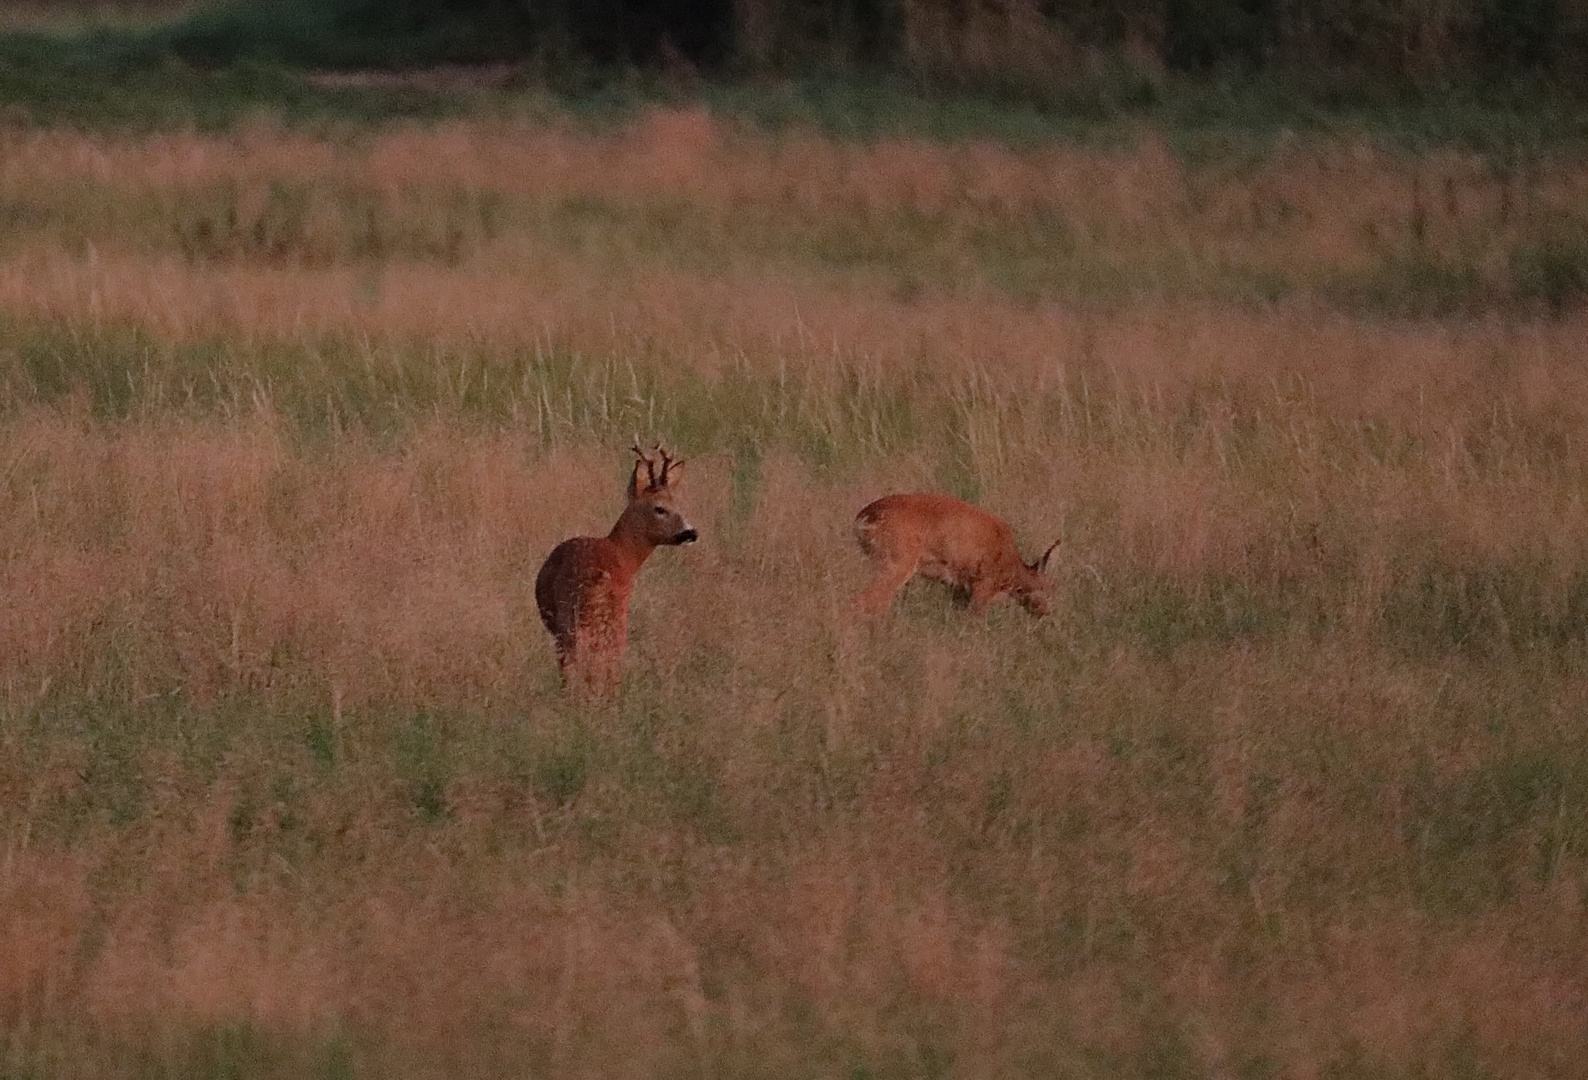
(566, 658)
(598, 682)
(580, 659)
(568, 649)
(586, 675)
(606, 672)
(877, 597)
(596, 659)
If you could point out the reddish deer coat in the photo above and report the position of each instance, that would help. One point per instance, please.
(584, 586)
(947, 539)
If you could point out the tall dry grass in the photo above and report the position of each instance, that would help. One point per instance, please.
(1290, 785)
(488, 203)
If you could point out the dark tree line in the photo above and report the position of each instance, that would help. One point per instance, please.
(943, 37)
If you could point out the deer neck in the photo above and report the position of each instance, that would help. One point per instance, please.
(635, 547)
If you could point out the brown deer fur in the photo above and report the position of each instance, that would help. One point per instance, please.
(584, 586)
(947, 539)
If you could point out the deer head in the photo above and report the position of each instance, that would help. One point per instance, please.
(651, 516)
(1032, 592)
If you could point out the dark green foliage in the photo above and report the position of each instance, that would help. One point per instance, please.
(851, 62)
(234, 1052)
(1520, 34)
(107, 80)
(410, 33)
(1220, 34)
(424, 764)
(350, 33)
(1554, 270)
(561, 775)
(1415, 284)
(1486, 833)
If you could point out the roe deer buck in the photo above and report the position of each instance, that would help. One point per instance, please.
(584, 586)
(941, 537)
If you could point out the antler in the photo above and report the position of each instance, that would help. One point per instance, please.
(657, 456)
(669, 463)
(647, 461)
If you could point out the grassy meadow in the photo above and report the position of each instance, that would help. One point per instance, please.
(1292, 784)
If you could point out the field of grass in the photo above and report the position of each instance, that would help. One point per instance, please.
(1291, 784)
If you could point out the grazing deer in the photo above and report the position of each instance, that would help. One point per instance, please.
(584, 586)
(947, 539)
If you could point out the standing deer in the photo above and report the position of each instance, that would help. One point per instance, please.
(947, 539)
(584, 586)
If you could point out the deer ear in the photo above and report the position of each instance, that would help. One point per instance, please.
(634, 480)
(670, 473)
(1042, 563)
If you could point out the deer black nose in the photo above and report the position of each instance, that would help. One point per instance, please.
(688, 536)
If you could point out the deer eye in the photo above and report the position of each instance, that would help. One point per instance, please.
(660, 511)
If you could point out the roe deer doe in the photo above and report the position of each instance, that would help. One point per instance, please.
(584, 586)
(947, 539)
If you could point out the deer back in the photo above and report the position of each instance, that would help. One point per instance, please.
(944, 537)
(939, 528)
(585, 584)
